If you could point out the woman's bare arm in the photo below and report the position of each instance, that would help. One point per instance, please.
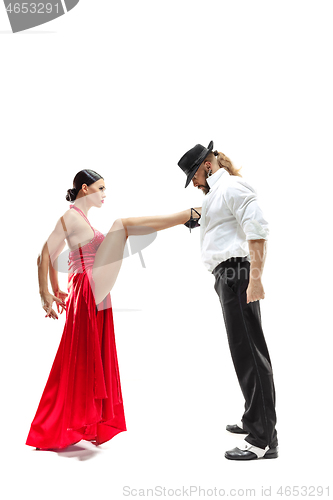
(46, 261)
(43, 266)
(53, 272)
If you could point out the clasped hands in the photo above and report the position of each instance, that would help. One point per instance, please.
(47, 300)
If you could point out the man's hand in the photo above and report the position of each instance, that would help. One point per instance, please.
(255, 291)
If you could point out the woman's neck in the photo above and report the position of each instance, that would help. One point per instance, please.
(82, 205)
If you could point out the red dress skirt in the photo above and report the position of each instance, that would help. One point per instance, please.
(82, 398)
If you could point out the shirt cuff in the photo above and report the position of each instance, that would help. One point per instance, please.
(256, 231)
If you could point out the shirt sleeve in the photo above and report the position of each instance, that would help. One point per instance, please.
(241, 200)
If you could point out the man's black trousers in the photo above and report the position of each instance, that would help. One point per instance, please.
(248, 351)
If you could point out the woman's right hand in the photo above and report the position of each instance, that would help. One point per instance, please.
(47, 300)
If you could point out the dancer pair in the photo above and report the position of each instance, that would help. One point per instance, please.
(82, 398)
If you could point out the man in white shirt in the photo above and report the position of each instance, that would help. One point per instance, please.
(233, 234)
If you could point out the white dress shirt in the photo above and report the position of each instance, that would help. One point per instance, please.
(230, 216)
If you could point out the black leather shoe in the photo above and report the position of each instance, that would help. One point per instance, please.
(237, 454)
(235, 429)
(193, 221)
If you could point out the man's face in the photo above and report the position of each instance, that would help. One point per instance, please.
(199, 178)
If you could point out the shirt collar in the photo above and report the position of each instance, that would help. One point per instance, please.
(214, 177)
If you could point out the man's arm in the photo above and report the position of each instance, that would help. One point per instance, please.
(241, 199)
(258, 250)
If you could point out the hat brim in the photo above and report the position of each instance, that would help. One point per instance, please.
(197, 164)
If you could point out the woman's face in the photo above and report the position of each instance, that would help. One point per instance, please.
(96, 192)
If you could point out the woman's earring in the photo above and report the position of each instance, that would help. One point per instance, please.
(209, 172)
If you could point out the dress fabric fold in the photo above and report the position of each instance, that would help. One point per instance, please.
(82, 398)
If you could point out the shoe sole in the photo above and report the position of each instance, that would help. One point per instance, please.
(273, 453)
(237, 431)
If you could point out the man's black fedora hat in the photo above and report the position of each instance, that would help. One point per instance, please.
(192, 160)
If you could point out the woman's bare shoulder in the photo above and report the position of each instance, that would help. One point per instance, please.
(70, 220)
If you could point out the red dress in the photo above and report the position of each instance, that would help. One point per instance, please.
(82, 398)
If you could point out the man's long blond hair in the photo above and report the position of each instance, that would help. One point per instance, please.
(224, 162)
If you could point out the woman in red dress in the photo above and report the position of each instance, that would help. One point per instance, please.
(82, 398)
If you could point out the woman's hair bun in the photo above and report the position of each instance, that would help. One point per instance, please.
(71, 194)
(83, 177)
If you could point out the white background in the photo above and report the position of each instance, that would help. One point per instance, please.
(126, 88)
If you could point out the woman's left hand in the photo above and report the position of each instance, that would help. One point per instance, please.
(61, 295)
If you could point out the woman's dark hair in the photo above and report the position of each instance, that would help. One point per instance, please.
(83, 177)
